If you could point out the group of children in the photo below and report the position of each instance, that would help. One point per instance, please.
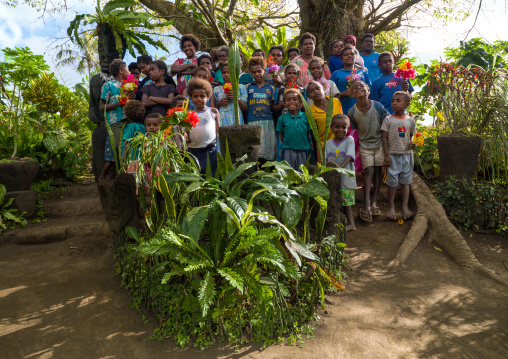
(369, 129)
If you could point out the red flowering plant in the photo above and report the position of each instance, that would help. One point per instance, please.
(180, 117)
(227, 87)
(352, 78)
(128, 86)
(273, 68)
(406, 71)
(291, 85)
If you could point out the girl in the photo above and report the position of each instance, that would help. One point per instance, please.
(317, 68)
(222, 55)
(340, 77)
(334, 62)
(110, 100)
(224, 102)
(277, 55)
(202, 138)
(158, 96)
(308, 46)
(259, 108)
(351, 41)
(293, 52)
(184, 68)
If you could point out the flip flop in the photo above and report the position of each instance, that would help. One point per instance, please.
(375, 211)
(364, 216)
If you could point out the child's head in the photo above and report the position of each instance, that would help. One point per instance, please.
(206, 61)
(118, 69)
(213, 55)
(339, 126)
(144, 62)
(385, 62)
(259, 52)
(222, 54)
(317, 67)
(293, 52)
(178, 101)
(153, 122)
(348, 55)
(203, 73)
(277, 54)
(350, 40)
(307, 44)
(360, 89)
(158, 69)
(134, 69)
(336, 47)
(134, 111)
(315, 91)
(292, 99)
(400, 101)
(199, 91)
(257, 66)
(291, 72)
(224, 69)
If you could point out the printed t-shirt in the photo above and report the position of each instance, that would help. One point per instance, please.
(110, 93)
(384, 87)
(400, 130)
(337, 153)
(296, 130)
(259, 102)
(159, 91)
(370, 62)
(340, 79)
(369, 124)
(305, 75)
(320, 118)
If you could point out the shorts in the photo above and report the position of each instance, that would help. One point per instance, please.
(295, 158)
(401, 170)
(348, 196)
(372, 157)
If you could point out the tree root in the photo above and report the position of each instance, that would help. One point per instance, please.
(432, 217)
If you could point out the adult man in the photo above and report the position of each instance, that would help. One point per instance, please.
(144, 62)
(370, 57)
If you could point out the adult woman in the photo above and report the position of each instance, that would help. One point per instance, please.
(184, 68)
(308, 45)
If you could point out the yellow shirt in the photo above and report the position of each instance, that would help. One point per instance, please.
(320, 117)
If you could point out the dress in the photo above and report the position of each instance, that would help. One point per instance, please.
(227, 113)
(384, 87)
(182, 80)
(305, 75)
(260, 114)
(370, 62)
(340, 79)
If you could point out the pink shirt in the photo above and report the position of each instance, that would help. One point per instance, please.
(305, 75)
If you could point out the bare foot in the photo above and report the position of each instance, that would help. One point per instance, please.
(350, 227)
(406, 213)
(391, 213)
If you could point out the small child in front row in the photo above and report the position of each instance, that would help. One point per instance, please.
(398, 130)
(202, 138)
(294, 130)
(340, 153)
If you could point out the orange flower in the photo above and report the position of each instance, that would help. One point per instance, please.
(400, 222)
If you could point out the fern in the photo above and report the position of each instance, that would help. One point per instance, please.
(207, 292)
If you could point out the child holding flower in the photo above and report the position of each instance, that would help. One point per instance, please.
(275, 71)
(158, 96)
(222, 99)
(317, 69)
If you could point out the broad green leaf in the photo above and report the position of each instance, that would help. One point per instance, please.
(182, 177)
(50, 143)
(194, 222)
(313, 189)
(292, 211)
(3, 191)
(232, 277)
(168, 198)
(132, 233)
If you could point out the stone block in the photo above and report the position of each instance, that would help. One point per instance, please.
(24, 201)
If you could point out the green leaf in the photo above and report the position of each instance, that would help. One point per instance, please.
(238, 205)
(207, 292)
(132, 233)
(292, 211)
(117, 4)
(232, 277)
(231, 176)
(168, 198)
(3, 191)
(313, 188)
(234, 74)
(182, 177)
(50, 143)
(194, 222)
(321, 217)
(313, 125)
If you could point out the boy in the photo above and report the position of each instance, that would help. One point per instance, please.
(134, 70)
(340, 153)
(158, 96)
(398, 130)
(293, 52)
(135, 112)
(294, 130)
(153, 123)
(277, 55)
(367, 116)
(385, 86)
(144, 62)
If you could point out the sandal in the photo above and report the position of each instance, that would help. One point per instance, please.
(375, 211)
(364, 216)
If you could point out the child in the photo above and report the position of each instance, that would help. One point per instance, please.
(398, 130)
(152, 123)
(317, 70)
(134, 111)
(206, 61)
(277, 55)
(259, 108)
(385, 86)
(134, 70)
(294, 130)
(203, 137)
(158, 96)
(110, 100)
(224, 102)
(178, 101)
(367, 116)
(259, 53)
(351, 41)
(222, 55)
(340, 153)
(334, 62)
(340, 77)
(203, 74)
(293, 52)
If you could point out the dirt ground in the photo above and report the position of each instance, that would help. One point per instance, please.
(63, 300)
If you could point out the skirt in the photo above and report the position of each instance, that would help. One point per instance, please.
(268, 148)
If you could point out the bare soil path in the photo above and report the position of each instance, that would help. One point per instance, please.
(63, 300)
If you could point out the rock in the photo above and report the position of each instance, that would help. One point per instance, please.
(99, 136)
(332, 179)
(24, 201)
(241, 139)
(118, 200)
(18, 174)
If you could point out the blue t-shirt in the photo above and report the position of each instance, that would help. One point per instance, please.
(259, 100)
(130, 131)
(334, 63)
(370, 63)
(384, 87)
(340, 79)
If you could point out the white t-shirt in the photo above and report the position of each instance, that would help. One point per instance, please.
(204, 133)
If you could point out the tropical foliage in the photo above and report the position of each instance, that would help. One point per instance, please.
(9, 217)
(265, 40)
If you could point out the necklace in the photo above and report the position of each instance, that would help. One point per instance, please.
(105, 77)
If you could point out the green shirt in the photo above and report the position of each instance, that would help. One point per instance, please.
(295, 129)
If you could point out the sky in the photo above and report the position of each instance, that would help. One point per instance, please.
(24, 26)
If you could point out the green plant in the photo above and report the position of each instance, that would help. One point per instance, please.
(477, 52)
(266, 39)
(235, 70)
(427, 156)
(9, 217)
(126, 25)
(45, 191)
